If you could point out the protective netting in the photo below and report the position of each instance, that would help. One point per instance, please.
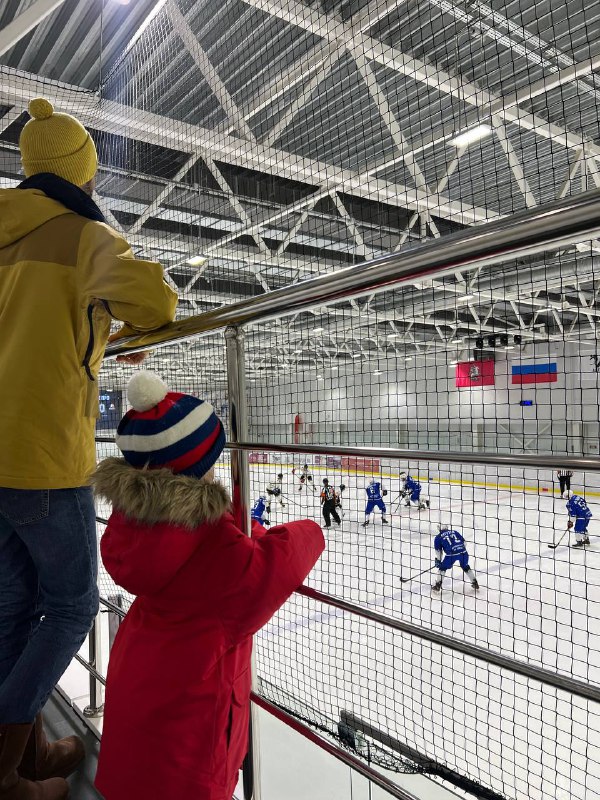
(251, 145)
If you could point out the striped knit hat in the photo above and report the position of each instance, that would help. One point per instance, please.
(168, 429)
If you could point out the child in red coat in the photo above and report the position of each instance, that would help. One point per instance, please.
(178, 685)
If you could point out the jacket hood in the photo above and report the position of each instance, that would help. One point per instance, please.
(24, 210)
(159, 495)
(155, 527)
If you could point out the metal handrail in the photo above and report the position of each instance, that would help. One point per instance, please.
(511, 460)
(439, 456)
(554, 225)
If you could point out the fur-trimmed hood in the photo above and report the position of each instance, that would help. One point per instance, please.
(159, 522)
(153, 496)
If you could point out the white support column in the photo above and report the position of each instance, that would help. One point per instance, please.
(11, 116)
(575, 165)
(289, 237)
(513, 162)
(352, 226)
(26, 22)
(321, 74)
(162, 195)
(236, 204)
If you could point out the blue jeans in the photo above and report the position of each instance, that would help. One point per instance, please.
(48, 591)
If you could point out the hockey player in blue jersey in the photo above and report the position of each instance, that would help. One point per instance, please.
(260, 509)
(375, 495)
(449, 546)
(578, 508)
(410, 492)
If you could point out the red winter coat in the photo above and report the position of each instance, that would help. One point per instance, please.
(177, 694)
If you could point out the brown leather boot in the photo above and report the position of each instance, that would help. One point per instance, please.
(13, 740)
(42, 760)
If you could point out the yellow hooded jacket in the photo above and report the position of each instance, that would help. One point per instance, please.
(62, 278)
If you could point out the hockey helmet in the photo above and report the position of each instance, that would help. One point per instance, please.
(306, 466)
(325, 482)
(342, 487)
(280, 475)
(403, 474)
(263, 497)
(444, 526)
(371, 481)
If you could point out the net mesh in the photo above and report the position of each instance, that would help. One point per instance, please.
(248, 146)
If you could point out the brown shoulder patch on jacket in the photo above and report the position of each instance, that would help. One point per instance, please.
(56, 242)
(158, 495)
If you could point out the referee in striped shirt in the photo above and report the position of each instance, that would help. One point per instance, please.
(564, 477)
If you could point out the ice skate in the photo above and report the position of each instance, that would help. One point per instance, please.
(437, 586)
(475, 584)
(587, 540)
(580, 543)
(384, 521)
(364, 524)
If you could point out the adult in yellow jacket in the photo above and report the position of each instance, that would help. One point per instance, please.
(64, 274)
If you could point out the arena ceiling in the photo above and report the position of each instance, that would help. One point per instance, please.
(274, 140)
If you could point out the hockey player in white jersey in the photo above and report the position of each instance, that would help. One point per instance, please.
(274, 489)
(305, 478)
(375, 495)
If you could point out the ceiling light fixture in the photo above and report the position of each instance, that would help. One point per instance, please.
(470, 136)
(196, 261)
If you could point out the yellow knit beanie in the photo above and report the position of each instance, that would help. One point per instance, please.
(57, 143)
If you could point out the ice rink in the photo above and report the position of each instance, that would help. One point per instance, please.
(538, 605)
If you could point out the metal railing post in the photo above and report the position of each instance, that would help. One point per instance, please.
(240, 481)
(96, 707)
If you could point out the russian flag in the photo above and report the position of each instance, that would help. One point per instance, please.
(535, 373)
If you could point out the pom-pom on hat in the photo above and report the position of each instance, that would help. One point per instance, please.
(168, 429)
(57, 143)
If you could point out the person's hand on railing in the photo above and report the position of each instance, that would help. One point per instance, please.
(128, 358)
(133, 358)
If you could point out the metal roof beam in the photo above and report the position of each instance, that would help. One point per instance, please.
(334, 30)
(210, 74)
(18, 87)
(26, 22)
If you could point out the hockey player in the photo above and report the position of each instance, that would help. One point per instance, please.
(375, 495)
(260, 509)
(411, 492)
(449, 546)
(274, 490)
(328, 504)
(578, 508)
(306, 479)
(338, 499)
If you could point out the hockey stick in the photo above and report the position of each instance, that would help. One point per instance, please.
(412, 577)
(289, 500)
(554, 546)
